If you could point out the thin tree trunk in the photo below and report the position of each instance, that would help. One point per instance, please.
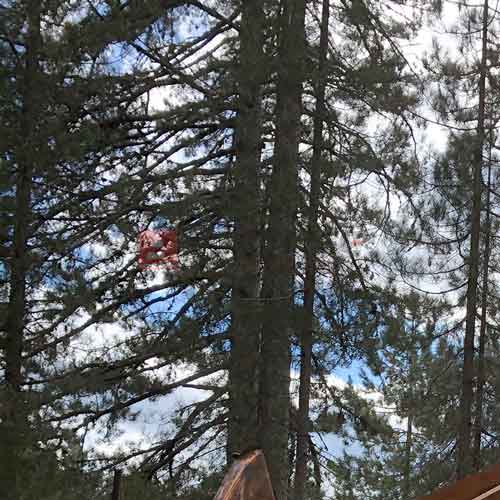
(116, 494)
(316, 467)
(408, 451)
(245, 339)
(407, 476)
(279, 256)
(476, 453)
(311, 245)
(464, 436)
(14, 420)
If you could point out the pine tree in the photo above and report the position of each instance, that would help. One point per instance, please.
(14, 416)
(310, 258)
(462, 202)
(464, 437)
(59, 108)
(246, 204)
(411, 376)
(264, 157)
(280, 247)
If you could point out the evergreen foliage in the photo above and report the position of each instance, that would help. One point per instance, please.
(330, 177)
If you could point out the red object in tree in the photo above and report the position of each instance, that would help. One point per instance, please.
(158, 248)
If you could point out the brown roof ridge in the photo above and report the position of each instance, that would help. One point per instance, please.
(247, 479)
(476, 486)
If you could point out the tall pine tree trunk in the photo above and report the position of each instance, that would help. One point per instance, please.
(464, 462)
(14, 426)
(311, 245)
(408, 451)
(116, 492)
(279, 255)
(478, 421)
(245, 340)
(409, 424)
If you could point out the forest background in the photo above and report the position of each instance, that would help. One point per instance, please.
(329, 169)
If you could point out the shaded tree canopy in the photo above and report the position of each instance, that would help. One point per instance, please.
(323, 175)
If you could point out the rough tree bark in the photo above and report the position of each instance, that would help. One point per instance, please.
(116, 493)
(311, 245)
(245, 338)
(407, 475)
(478, 421)
(279, 255)
(13, 418)
(408, 451)
(464, 435)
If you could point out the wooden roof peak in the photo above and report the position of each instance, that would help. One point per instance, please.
(479, 486)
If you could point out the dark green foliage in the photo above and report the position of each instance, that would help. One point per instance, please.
(120, 116)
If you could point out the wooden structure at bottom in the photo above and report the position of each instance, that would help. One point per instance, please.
(247, 479)
(484, 485)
